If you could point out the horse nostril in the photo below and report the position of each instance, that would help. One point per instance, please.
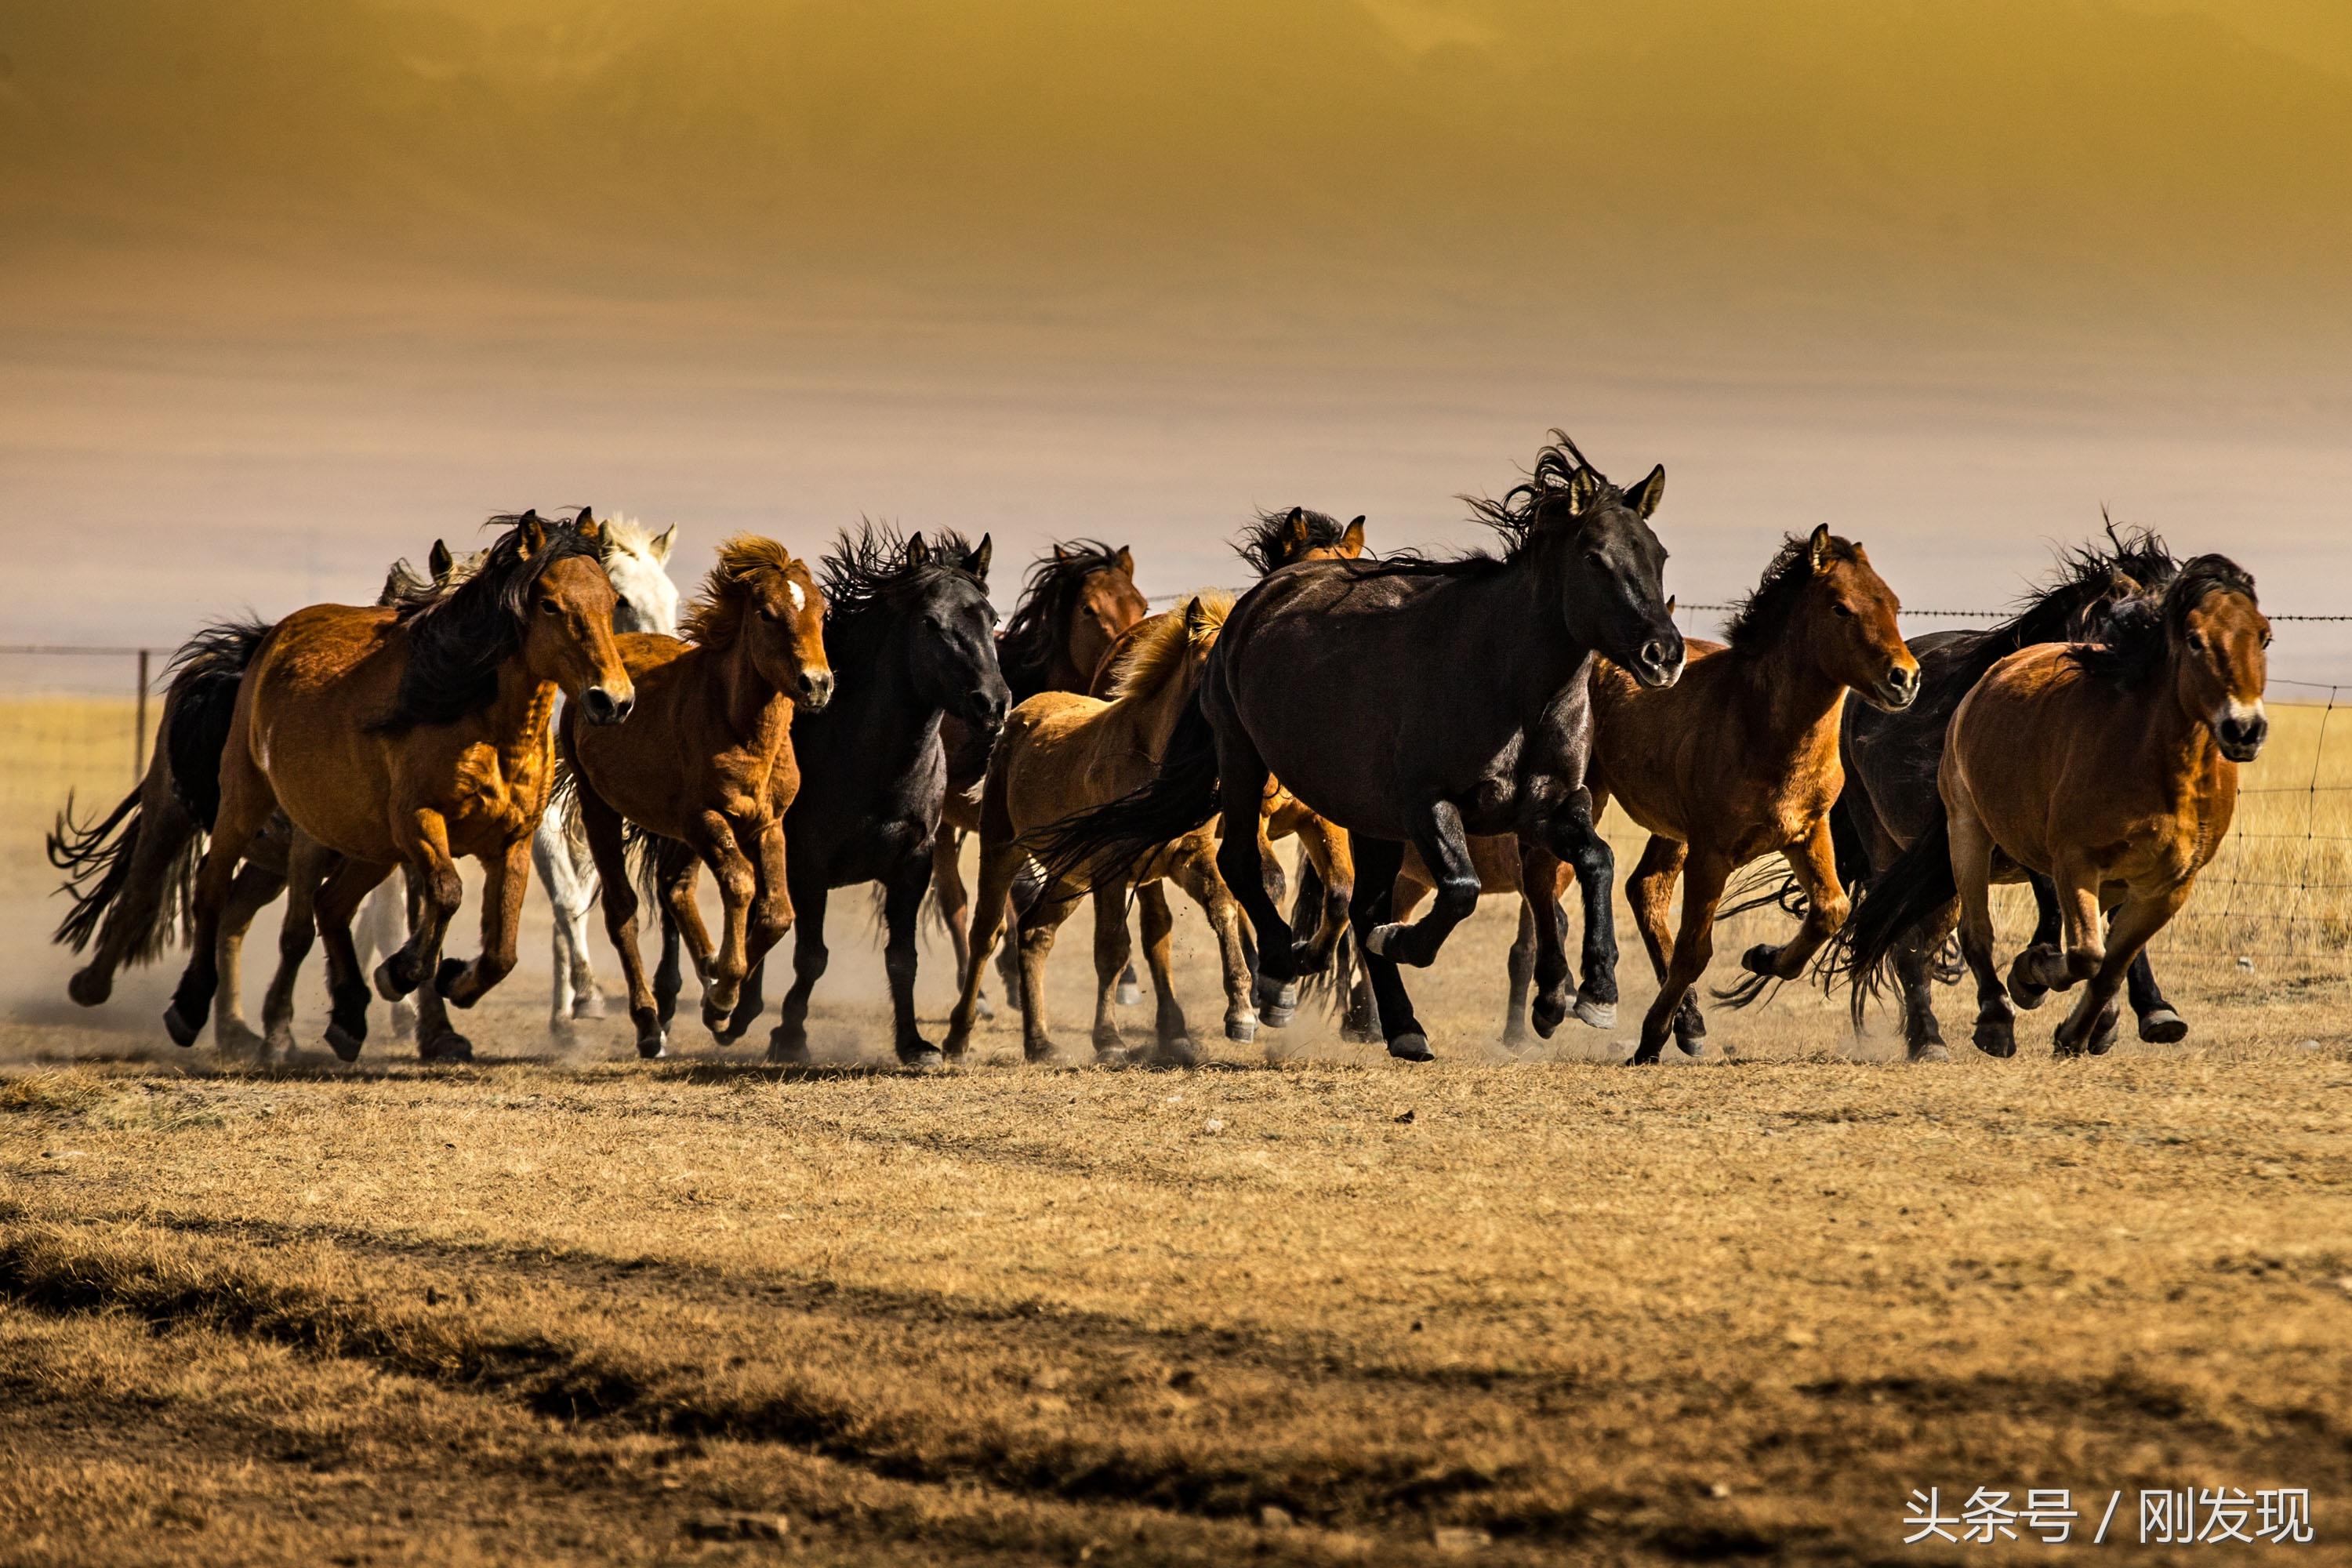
(816, 687)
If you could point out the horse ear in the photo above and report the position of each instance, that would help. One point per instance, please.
(1818, 547)
(1193, 618)
(977, 562)
(590, 530)
(1670, 606)
(1060, 555)
(1583, 487)
(1125, 561)
(1644, 496)
(438, 560)
(530, 535)
(1293, 531)
(917, 550)
(660, 544)
(1351, 544)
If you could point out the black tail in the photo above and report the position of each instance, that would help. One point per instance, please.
(1918, 889)
(97, 858)
(206, 672)
(1179, 797)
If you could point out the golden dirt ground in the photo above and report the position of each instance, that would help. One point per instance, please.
(1301, 1305)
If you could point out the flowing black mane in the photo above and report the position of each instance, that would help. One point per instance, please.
(867, 568)
(1026, 650)
(1261, 544)
(2086, 574)
(2139, 631)
(457, 641)
(1526, 508)
(1764, 614)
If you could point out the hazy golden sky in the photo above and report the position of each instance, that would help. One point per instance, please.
(290, 287)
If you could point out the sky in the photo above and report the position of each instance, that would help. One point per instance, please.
(288, 290)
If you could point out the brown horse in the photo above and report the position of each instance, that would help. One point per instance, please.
(402, 736)
(1060, 753)
(2110, 768)
(1080, 598)
(1739, 759)
(708, 761)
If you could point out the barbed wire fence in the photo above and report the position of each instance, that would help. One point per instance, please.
(2275, 906)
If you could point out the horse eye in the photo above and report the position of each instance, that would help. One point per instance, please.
(1845, 611)
(549, 606)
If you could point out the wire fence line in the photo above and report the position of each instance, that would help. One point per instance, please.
(2277, 899)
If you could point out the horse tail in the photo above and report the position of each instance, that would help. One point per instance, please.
(97, 858)
(1917, 888)
(1181, 796)
(206, 675)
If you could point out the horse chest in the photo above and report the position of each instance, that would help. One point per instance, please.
(500, 795)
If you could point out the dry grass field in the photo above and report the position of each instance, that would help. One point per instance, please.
(1302, 1305)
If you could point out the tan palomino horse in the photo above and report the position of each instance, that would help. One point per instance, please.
(404, 736)
(708, 761)
(2110, 768)
(1062, 753)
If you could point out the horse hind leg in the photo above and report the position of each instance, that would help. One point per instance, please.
(308, 863)
(788, 1041)
(1111, 956)
(2136, 923)
(246, 804)
(1923, 1036)
(332, 907)
(1971, 854)
(1168, 1026)
(1196, 870)
(2159, 1025)
(1378, 861)
(955, 902)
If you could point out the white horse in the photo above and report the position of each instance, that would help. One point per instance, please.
(637, 562)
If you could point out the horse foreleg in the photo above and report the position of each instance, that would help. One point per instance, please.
(1111, 950)
(954, 901)
(1812, 861)
(424, 848)
(308, 865)
(1915, 950)
(2159, 1024)
(246, 803)
(998, 859)
(333, 906)
(1971, 855)
(252, 890)
(1377, 860)
(1453, 875)
(2091, 1026)
(1705, 871)
(1038, 925)
(506, 879)
(788, 1041)
(569, 890)
(1194, 869)
(1569, 833)
(1242, 775)
(618, 894)
(1168, 1027)
(902, 905)
(714, 840)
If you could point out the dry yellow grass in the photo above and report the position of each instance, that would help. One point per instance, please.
(1304, 1305)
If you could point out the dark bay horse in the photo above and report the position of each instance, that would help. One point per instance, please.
(707, 760)
(1738, 759)
(912, 637)
(1892, 759)
(1415, 701)
(1080, 598)
(131, 874)
(405, 737)
(2110, 768)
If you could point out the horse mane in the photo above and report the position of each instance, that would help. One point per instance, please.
(1160, 644)
(1526, 509)
(402, 581)
(1764, 614)
(715, 619)
(2086, 574)
(2139, 631)
(868, 567)
(626, 536)
(1024, 649)
(457, 640)
(1261, 539)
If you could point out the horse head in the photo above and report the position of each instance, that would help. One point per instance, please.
(2220, 642)
(566, 605)
(1850, 621)
(637, 562)
(1607, 566)
(952, 631)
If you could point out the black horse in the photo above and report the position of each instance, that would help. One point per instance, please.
(1891, 760)
(911, 637)
(1417, 700)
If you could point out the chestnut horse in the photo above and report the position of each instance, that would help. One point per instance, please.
(1738, 759)
(1060, 753)
(707, 761)
(402, 736)
(1411, 700)
(2110, 768)
(1079, 599)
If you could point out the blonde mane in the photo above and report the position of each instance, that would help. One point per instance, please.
(1157, 655)
(715, 617)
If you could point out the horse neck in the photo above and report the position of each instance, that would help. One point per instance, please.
(521, 720)
(1797, 699)
(1512, 625)
(2183, 744)
(1149, 717)
(878, 719)
(749, 702)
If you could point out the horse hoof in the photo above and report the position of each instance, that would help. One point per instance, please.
(387, 983)
(715, 1019)
(788, 1053)
(1760, 959)
(1645, 1054)
(343, 1042)
(1548, 1014)
(1359, 1035)
(452, 1046)
(1128, 994)
(653, 1046)
(1180, 1052)
(1690, 1043)
(88, 987)
(2104, 1032)
(1596, 1015)
(2164, 1027)
(1037, 1053)
(1241, 1031)
(1995, 1038)
(183, 1033)
(237, 1040)
(588, 1006)
(446, 979)
(2025, 986)
(1278, 1015)
(1930, 1051)
(921, 1056)
(1412, 1047)
(1377, 940)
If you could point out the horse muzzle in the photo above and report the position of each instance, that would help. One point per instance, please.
(2241, 732)
(1897, 689)
(1658, 662)
(815, 690)
(603, 708)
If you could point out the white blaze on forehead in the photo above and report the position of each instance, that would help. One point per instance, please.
(800, 600)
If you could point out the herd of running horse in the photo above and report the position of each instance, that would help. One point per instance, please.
(1428, 729)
